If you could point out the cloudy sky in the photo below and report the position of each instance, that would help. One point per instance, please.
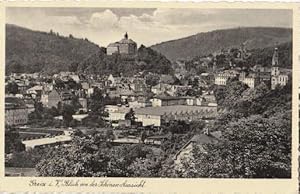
(145, 26)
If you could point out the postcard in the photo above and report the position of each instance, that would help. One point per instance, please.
(144, 97)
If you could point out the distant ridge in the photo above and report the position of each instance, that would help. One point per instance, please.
(35, 51)
(209, 42)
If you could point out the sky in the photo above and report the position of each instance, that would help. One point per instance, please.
(145, 26)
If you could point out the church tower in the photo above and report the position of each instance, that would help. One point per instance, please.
(275, 64)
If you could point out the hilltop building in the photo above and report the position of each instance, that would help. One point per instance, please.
(277, 77)
(125, 46)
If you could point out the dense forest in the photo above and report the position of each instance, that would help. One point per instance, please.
(209, 42)
(263, 56)
(30, 51)
(145, 60)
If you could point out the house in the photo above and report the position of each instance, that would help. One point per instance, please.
(138, 85)
(167, 101)
(116, 113)
(16, 112)
(35, 91)
(83, 103)
(75, 78)
(48, 141)
(162, 88)
(179, 100)
(186, 152)
(129, 95)
(156, 140)
(155, 115)
(222, 78)
(139, 103)
(51, 99)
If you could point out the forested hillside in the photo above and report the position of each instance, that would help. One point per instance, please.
(205, 43)
(31, 51)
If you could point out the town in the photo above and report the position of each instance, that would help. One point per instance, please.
(154, 122)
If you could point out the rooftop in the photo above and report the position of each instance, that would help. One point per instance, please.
(159, 111)
(46, 141)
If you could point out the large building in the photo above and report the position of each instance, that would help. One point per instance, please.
(222, 78)
(251, 80)
(277, 77)
(125, 46)
(155, 115)
(16, 112)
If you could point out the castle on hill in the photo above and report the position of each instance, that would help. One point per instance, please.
(124, 47)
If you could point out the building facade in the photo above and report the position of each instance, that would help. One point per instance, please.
(277, 78)
(222, 78)
(125, 46)
(16, 115)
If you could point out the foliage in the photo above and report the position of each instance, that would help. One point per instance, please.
(26, 159)
(13, 142)
(263, 56)
(256, 135)
(43, 116)
(252, 147)
(91, 156)
(152, 79)
(146, 60)
(203, 44)
(97, 107)
(130, 116)
(32, 51)
(67, 113)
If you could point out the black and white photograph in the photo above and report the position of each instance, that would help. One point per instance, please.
(148, 92)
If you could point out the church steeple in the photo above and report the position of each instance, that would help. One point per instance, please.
(275, 57)
(126, 36)
(275, 65)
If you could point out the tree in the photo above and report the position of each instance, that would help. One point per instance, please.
(110, 135)
(67, 113)
(130, 116)
(152, 80)
(97, 106)
(73, 67)
(91, 156)
(143, 136)
(13, 142)
(197, 126)
(85, 157)
(26, 159)
(146, 167)
(251, 147)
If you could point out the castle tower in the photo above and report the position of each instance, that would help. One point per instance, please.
(275, 64)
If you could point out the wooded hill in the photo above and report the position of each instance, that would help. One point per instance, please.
(32, 51)
(209, 42)
(29, 51)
